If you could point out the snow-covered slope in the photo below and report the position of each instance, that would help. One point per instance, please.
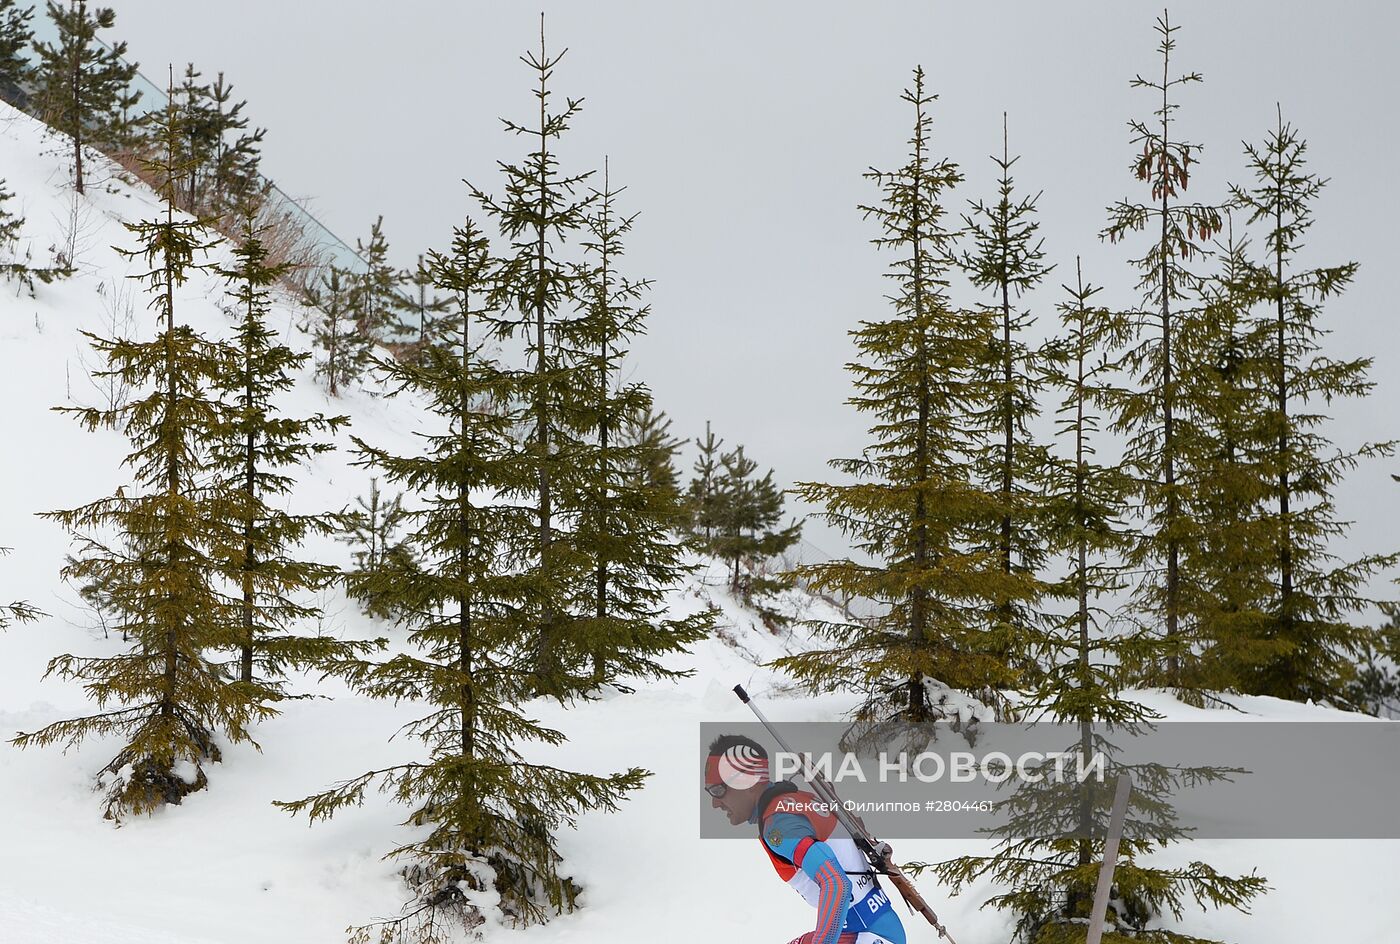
(227, 868)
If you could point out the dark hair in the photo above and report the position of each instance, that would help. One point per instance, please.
(725, 741)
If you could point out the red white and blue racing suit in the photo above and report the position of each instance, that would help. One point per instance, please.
(831, 873)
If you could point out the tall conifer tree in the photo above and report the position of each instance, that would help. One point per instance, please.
(1179, 231)
(153, 546)
(486, 817)
(1007, 260)
(1315, 595)
(913, 499)
(623, 521)
(541, 212)
(1225, 484)
(1046, 863)
(253, 449)
(1084, 503)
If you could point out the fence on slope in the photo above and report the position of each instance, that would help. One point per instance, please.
(319, 246)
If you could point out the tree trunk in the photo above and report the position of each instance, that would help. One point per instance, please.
(547, 668)
(918, 631)
(1285, 557)
(1168, 430)
(76, 88)
(249, 553)
(464, 619)
(172, 473)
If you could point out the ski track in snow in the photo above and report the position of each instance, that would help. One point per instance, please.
(228, 868)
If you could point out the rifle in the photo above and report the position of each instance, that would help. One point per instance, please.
(877, 852)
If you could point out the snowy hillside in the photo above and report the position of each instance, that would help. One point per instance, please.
(228, 867)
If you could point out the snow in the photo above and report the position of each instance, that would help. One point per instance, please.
(226, 867)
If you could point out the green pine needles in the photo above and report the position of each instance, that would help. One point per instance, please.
(252, 450)
(154, 546)
(912, 501)
(193, 559)
(1223, 431)
(471, 606)
(1307, 640)
(84, 84)
(223, 180)
(540, 552)
(16, 33)
(1178, 231)
(343, 352)
(375, 297)
(541, 212)
(1007, 261)
(624, 518)
(1048, 850)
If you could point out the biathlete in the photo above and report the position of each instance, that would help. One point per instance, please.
(795, 828)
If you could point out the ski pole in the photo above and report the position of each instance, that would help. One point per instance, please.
(879, 853)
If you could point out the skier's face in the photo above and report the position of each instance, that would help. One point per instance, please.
(737, 804)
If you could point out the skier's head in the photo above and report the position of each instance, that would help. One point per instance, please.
(736, 774)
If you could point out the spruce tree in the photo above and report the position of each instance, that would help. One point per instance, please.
(153, 546)
(623, 523)
(372, 530)
(1046, 862)
(16, 34)
(749, 517)
(197, 117)
(253, 450)
(485, 819)
(84, 83)
(649, 434)
(540, 213)
(1179, 231)
(129, 136)
(344, 352)
(1007, 260)
(375, 296)
(1376, 688)
(1085, 500)
(232, 181)
(431, 311)
(1222, 426)
(1315, 596)
(223, 180)
(702, 496)
(910, 500)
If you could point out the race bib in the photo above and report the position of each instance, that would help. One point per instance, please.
(862, 914)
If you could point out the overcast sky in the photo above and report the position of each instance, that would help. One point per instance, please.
(741, 131)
